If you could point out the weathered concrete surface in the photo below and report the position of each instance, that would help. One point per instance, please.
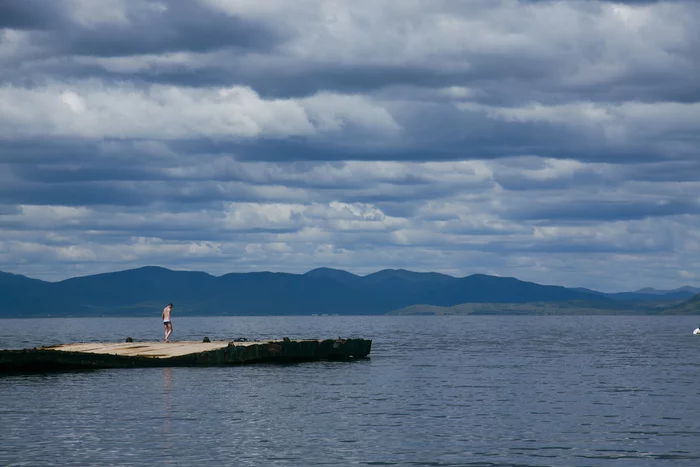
(177, 353)
(145, 349)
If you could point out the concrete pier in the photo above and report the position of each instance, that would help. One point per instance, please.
(178, 353)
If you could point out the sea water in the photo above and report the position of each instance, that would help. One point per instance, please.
(440, 391)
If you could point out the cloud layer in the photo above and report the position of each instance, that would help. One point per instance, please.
(557, 142)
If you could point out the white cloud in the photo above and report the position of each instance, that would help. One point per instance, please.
(73, 101)
(623, 124)
(145, 62)
(148, 136)
(93, 14)
(91, 110)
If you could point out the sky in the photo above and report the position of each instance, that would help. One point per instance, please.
(555, 142)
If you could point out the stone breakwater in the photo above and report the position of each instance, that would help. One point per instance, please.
(178, 353)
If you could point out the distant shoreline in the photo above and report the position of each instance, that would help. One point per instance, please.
(397, 314)
(143, 292)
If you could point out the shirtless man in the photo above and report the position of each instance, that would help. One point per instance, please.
(166, 321)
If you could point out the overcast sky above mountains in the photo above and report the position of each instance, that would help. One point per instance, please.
(557, 142)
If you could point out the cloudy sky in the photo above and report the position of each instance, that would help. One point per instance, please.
(557, 142)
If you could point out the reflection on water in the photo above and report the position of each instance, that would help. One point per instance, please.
(478, 391)
(167, 404)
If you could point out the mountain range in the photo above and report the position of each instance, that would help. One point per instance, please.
(144, 291)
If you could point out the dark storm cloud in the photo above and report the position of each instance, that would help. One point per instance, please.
(85, 174)
(9, 209)
(527, 80)
(49, 149)
(68, 194)
(184, 26)
(29, 14)
(306, 80)
(515, 180)
(582, 246)
(125, 194)
(116, 231)
(601, 210)
(671, 171)
(436, 134)
(543, 72)
(520, 138)
(143, 186)
(147, 29)
(643, 2)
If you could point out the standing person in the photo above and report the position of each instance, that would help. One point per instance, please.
(166, 321)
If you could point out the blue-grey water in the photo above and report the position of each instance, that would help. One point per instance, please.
(440, 391)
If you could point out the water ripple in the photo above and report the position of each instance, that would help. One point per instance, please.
(437, 391)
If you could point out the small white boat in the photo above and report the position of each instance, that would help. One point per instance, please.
(697, 331)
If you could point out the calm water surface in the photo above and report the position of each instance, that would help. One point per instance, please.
(440, 391)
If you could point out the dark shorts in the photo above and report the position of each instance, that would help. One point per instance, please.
(166, 322)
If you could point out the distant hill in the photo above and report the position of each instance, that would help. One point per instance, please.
(689, 307)
(395, 275)
(570, 307)
(648, 293)
(337, 275)
(664, 295)
(144, 291)
(652, 291)
(480, 288)
(22, 293)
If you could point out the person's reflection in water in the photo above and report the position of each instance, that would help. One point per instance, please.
(167, 394)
